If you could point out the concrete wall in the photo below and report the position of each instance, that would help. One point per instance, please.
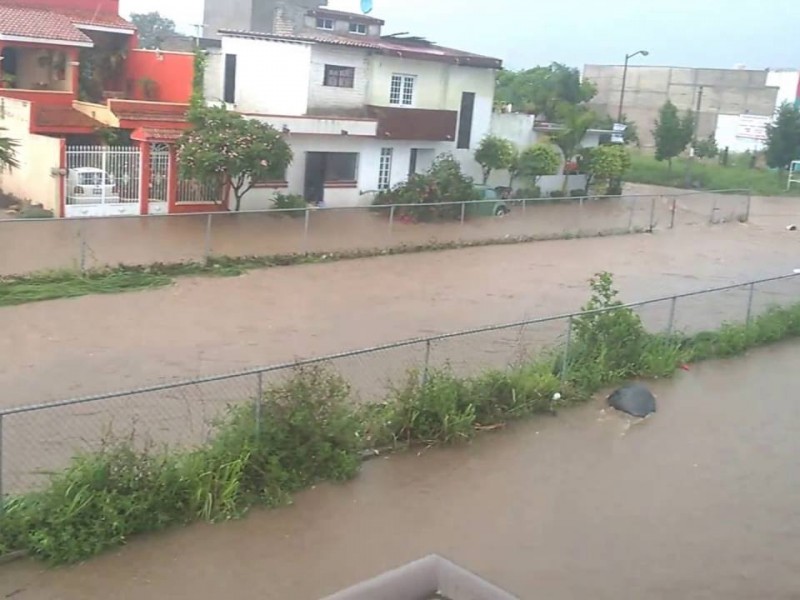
(247, 15)
(172, 73)
(271, 77)
(324, 99)
(726, 91)
(37, 155)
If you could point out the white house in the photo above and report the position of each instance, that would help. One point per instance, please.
(361, 111)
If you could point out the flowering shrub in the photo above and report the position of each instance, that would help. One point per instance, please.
(226, 147)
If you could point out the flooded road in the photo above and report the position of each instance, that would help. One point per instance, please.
(700, 501)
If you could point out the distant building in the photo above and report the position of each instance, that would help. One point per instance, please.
(249, 15)
(728, 94)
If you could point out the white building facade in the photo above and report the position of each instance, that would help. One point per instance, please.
(361, 112)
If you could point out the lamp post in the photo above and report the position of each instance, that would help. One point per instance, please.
(625, 80)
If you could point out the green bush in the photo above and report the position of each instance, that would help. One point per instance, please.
(289, 202)
(309, 429)
(443, 182)
(577, 193)
(528, 193)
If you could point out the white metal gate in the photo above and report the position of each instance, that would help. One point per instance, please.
(159, 179)
(102, 181)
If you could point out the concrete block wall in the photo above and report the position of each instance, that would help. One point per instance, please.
(322, 98)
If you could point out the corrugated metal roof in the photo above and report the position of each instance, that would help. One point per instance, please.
(42, 25)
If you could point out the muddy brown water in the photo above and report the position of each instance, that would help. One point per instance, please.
(699, 501)
(204, 326)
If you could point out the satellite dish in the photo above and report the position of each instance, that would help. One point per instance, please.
(366, 6)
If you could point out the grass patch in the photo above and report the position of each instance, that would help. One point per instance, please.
(52, 285)
(708, 175)
(309, 428)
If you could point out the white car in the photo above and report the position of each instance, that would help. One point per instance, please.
(88, 185)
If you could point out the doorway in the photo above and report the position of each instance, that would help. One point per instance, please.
(314, 187)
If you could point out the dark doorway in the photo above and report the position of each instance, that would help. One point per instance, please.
(412, 163)
(9, 64)
(465, 120)
(314, 190)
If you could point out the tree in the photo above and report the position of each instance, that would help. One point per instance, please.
(153, 29)
(494, 153)
(575, 121)
(229, 149)
(672, 134)
(608, 164)
(537, 161)
(783, 137)
(542, 90)
(706, 148)
(8, 151)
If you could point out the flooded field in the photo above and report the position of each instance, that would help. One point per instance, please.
(699, 501)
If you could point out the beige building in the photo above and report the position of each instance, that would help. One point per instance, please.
(725, 92)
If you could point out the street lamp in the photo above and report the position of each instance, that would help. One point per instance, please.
(625, 80)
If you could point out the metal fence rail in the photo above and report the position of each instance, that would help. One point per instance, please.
(29, 245)
(40, 439)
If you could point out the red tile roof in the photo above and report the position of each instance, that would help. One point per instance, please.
(388, 45)
(130, 110)
(49, 117)
(100, 19)
(40, 25)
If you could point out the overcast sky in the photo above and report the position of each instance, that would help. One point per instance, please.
(700, 33)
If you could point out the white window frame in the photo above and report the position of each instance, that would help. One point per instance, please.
(358, 28)
(402, 89)
(385, 169)
(322, 23)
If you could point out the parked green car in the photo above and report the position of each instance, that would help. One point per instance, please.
(494, 205)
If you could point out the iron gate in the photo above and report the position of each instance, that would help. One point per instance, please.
(102, 181)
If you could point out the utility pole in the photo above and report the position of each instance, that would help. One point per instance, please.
(693, 143)
(628, 57)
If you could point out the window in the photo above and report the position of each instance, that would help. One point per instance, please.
(229, 94)
(385, 169)
(358, 28)
(401, 92)
(336, 76)
(325, 24)
(412, 162)
(274, 179)
(465, 120)
(341, 167)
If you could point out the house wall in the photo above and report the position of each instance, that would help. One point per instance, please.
(37, 155)
(322, 98)
(30, 74)
(369, 150)
(172, 73)
(271, 77)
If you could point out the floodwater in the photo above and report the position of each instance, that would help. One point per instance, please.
(700, 501)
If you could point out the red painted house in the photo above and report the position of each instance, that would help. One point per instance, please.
(95, 117)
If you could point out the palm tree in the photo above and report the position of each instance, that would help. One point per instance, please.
(576, 121)
(8, 151)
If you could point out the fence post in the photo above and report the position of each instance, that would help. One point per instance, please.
(580, 215)
(630, 214)
(259, 401)
(713, 211)
(674, 208)
(391, 221)
(747, 209)
(565, 358)
(463, 212)
(671, 323)
(82, 249)
(427, 362)
(207, 241)
(305, 229)
(524, 205)
(750, 295)
(652, 214)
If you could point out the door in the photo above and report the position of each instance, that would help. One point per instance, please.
(314, 189)
(412, 163)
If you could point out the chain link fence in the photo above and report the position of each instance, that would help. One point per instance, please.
(30, 245)
(38, 440)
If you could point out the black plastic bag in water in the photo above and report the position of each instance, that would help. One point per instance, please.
(633, 399)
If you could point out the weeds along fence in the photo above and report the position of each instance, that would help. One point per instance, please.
(30, 245)
(38, 440)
